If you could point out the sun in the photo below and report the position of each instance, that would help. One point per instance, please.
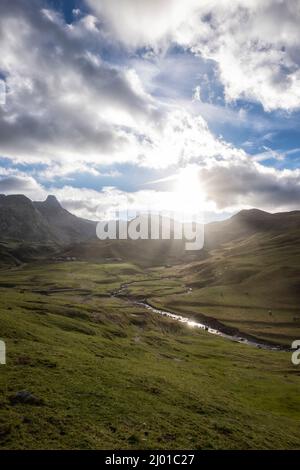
(188, 194)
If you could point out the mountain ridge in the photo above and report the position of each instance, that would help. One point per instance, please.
(29, 227)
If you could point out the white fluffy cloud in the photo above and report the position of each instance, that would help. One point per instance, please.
(96, 205)
(256, 46)
(64, 102)
(71, 110)
(256, 43)
(68, 108)
(144, 23)
(228, 186)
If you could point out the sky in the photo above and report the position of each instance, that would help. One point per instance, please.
(105, 101)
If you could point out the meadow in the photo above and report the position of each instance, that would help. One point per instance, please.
(103, 373)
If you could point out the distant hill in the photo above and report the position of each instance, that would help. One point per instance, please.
(146, 252)
(45, 229)
(243, 228)
(27, 228)
(250, 276)
(249, 222)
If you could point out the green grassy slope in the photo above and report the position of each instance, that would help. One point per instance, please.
(252, 285)
(113, 375)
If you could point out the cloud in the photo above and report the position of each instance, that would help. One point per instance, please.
(242, 184)
(228, 187)
(68, 108)
(96, 205)
(71, 107)
(21, 184)
(63, 100)
(255, 44)
(197, 93)
(143, 23)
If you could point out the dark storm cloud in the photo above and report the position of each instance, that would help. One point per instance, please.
(247, 183)
(17, 184)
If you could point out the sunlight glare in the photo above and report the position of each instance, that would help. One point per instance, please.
(189, 196)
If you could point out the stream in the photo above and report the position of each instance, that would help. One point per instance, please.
(219, 331)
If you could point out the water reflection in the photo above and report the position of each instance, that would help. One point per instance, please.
(214, 331)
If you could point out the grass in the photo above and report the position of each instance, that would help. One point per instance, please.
(252, 286)
(113, 375)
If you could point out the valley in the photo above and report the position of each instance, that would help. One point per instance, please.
(94, 362)
(110, 374)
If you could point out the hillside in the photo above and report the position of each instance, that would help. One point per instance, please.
(247, 276)
(33, 230)
(251, 283)
(249, 222)
(105, 373)
(239, 229)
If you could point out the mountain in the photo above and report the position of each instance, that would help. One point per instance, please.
(144, 251)
(249, 225)
(20, 220)
(249, 222)
(30, 230)
(250, 276)
(64, 227)
(43, 222)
